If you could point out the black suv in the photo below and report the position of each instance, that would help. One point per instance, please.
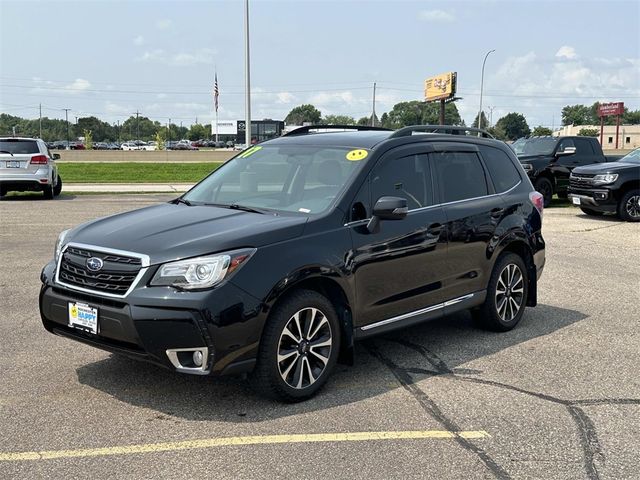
(612, 187)
(549, 160)
(283, 257)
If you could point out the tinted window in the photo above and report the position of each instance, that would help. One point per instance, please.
(404, 177)
(459, 175)
(583, 146)
(19, 146)
(567, 142)
(501, 169)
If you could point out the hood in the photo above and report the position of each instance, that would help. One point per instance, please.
(168, 232)
(607, 167)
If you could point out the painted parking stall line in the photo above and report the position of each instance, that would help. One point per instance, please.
(240, 441)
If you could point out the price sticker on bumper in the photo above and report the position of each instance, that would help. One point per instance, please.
(84, 317)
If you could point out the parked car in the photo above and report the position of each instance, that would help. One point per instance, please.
(612, 187)
(27, 165)
(549, 160)
(280, 259)
(230, 144)
(183, 146)
(131, 146)
(149, 146)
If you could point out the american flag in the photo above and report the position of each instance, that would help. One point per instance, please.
(216, 93)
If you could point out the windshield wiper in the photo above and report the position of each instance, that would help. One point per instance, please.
(235, 206)
(182, 200)
(5, 151)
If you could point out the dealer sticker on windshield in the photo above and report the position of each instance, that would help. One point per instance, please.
(84, 317)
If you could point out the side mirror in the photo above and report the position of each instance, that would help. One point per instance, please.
(566, 151)
(56, 156)
(387, 208)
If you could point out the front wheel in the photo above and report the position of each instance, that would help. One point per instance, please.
(507, 294)
(629, 206)
(545, 187)
(299, 347)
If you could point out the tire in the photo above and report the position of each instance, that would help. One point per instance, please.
(545, 187)
(494, 314)
(47, 191)
(302, 377)
(588, 211)
(563, 195)
(58, 188)
(3, 192)
(629, 206)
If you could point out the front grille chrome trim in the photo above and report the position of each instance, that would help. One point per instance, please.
(144, 259)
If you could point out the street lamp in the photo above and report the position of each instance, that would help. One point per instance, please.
(481, 87)
(247, 76)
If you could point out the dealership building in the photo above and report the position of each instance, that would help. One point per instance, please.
(628, 135)
(261, 130)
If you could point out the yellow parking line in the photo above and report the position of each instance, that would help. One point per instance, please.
(229, 441)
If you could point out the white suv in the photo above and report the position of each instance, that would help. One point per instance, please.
(27, 165)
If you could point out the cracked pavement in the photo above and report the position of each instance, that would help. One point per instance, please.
(559, 395)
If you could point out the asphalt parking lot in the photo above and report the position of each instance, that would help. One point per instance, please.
(558, 397)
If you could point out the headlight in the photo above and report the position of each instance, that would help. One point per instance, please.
(200, 272)
(527, 167)
(605, 178)
(60, 244)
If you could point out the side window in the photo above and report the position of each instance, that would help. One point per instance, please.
(583, 146)
(405, 177)
(501, 169)
(459, 175)
(567, 142)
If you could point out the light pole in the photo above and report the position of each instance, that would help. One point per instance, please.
(66, 117)
(247, 78)
(481, 87)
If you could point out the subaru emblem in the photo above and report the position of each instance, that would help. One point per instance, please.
(94, 264)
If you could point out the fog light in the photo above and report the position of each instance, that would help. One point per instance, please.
(197, 358)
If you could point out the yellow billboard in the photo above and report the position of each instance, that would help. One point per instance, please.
(440, 87)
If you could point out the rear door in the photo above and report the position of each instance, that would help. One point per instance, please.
(15, 156)
(472, 211)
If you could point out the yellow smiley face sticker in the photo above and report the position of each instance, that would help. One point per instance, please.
(357, 155)
(74, 311)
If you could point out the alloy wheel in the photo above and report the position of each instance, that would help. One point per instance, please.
(633, 206)
(509, 292)
(304, 348)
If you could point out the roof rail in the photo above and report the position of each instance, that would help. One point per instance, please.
(308, 129)
(444, 129)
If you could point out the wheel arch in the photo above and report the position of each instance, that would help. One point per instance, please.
(521, 248)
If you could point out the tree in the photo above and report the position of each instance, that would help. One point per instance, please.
(631, 117)
(100, 130)
(88, 139)
(589, 132)
(420, 113)
(303, 114)
(485, 122)
(540, 131)
(197, 132)
(146, 127)
(514, 126)
(160, 138)
(338, 120)
(577, 115)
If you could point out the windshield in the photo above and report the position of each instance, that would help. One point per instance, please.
(633, 157)
(518, 145)
(18, 146)
(288, 178)
(537, 146)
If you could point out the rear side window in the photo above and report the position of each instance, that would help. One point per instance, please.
(459, 175)
(404, 177)
(16, 146)
(501, 169)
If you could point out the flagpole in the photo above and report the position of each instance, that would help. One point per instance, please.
(217, 106)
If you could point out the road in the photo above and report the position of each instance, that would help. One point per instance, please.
(558, 397)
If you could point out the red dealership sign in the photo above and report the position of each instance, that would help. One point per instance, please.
(608, 109)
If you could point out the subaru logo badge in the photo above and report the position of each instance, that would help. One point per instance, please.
(94, 264)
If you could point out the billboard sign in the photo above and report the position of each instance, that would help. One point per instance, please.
(440, 87)
(225, 127)
(608, 109)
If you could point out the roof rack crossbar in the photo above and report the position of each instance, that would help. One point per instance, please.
(443, 129)
(307, 129)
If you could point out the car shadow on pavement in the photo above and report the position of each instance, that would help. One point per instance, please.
(35, 198)
(454, 339)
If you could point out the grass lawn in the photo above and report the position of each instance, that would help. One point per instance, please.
(134, 172)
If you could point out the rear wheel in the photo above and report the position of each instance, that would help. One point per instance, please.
(299, 347)
(58, 188)
(544, 186)
(506, 294)
(47, 191)
(629, 206)
(588, 211)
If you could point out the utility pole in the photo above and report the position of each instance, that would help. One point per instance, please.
(66, 117)
(169, 131)
(491, 115)
(481, 88)
(118, 130)
(373, 115)
(247, 78)
(40, 121)
(137, 126)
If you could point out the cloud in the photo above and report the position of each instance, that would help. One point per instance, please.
(436, 16)
(285, 97)
(163, 24)
(139, 40)
(566, 52)
(78, 85)
(203, 56)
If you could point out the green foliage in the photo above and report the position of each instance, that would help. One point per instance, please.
(160, 139)
(420, 113)
(485, 122)
(143, 127)
(88, 139)
(589, 132)
(197, 132)
(101, 131)
(338, 120)
(540, 131)
(302, 114)
(577, 115)
(512, 126)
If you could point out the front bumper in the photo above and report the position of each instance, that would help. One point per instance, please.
(598, 199)
(153, 323)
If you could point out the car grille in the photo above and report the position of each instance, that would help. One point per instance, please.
(116, 276)
(578, 180)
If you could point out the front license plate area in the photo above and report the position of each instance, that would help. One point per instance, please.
(13, 164)
(576, 200)
(83, 317)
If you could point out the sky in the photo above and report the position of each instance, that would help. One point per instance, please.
(112, 58)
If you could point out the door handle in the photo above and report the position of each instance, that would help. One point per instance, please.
(435, 229)
(497, 212)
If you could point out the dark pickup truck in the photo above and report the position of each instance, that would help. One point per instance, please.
(549, 161)
(612, 187)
